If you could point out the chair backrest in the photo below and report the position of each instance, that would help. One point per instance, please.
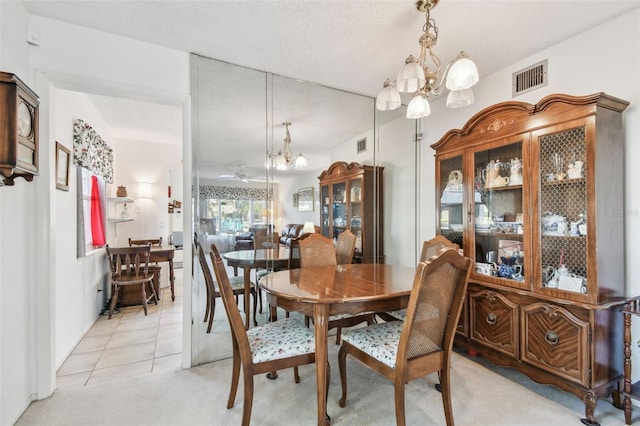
(434, 246)
(238, 331)
(264, 240)
(206, 271)
(434, 307)
(345, 247)
(317, 250)
(143, 242)
(129, 263)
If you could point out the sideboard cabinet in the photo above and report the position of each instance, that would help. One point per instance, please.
(534, 194)
(351, 198)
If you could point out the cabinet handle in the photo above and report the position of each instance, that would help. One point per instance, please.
(551, 337)
(491, 318)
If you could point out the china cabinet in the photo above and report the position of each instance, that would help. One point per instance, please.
(351, 198)
(534, 194)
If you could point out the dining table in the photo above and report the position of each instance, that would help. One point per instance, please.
(321, 291)
(253, 259)
(165, 254)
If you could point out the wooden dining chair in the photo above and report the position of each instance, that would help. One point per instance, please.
(143, 242)
(345, 246)
(273, 346)
(213, 291)
(317, 250)
(430, 248)
(421, 344)
(130, 267)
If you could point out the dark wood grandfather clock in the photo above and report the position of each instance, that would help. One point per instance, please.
(18, 129)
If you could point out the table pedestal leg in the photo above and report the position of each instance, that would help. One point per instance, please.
(321, 324)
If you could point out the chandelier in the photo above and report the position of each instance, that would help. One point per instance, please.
(418, 78)
(285, 156)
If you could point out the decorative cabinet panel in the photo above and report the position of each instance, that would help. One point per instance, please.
(534, 194)
(556, 340)
(494, 321)
(351, 198)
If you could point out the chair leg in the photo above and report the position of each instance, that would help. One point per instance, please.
(212, 311)
(248, 397)
(144, 299)
(114, 299)
(207, 309)
(235, 375)
(338, 335)
(296, 376)
(446, 395)
(342, 366)
(399, 398)
(255, 306)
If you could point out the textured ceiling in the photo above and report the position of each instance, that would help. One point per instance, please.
(348, 45)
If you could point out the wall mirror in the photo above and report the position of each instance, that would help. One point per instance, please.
(237, 127)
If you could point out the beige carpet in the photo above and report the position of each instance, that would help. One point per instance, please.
(198, 397)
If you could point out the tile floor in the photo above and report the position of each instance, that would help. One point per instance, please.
(128, 344)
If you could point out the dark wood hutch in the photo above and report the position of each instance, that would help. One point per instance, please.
(534, 194)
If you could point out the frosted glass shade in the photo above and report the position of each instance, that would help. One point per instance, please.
(309, 228)
(460, 98)
(300, 163)
(144, 190)
(411, 76)
(462, 75)
(388, 99)
(418, 107)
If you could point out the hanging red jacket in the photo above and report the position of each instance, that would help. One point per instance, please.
(97, 229)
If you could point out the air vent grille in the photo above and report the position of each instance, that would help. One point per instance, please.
(361, 146)
(530, 78)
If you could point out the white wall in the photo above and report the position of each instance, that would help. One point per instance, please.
(77, 300)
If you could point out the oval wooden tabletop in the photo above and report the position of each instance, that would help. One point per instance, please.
(249, 257)
(340, 283)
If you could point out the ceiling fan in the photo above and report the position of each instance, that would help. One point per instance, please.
(241, 175)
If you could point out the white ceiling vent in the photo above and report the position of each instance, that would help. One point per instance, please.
(530, 78)
(361, 146)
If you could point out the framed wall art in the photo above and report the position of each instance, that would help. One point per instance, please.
(295, 199)
(63, 156)
(305, 199)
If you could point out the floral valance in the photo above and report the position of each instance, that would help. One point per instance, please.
(227, 193)
(91, 152)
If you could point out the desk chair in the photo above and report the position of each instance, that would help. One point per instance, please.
(422, 343)
(129, 267)
(273, 346)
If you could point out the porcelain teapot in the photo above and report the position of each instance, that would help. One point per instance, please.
(508, 268)
(515, 177)
(491, 172)
(499, 181)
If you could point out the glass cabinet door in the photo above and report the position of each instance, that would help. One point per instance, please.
(451, 210)
(324, 210)
(563, 211)
(355, 212)
(339, 208)
(498, 214)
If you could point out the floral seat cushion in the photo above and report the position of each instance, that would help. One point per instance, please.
(237, 283)
(281, 339)
(381, 341)
(400, 314)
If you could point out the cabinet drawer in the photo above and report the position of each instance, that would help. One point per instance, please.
(494, 321)
(555, 340)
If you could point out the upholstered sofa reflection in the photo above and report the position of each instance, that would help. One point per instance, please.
(244, 241)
